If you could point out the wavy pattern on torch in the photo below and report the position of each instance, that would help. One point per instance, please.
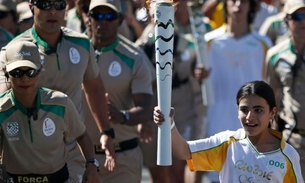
(162, 68)
(167, 75)
(165, 39)
(163, 53)
(165, 26)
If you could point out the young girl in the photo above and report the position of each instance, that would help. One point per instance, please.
(254, 153)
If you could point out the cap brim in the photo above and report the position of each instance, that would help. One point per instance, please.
(21, 63)
(104, 4)
(292, 10)
(4, 8)
(26, 15)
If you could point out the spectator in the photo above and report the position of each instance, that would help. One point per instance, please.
(5, 37)
(264, 11)
(275, 27)
(9, 17)
(37, 123)
(77, 16)
(68, 66)
(26, 19)
(127, 78)
(285, 73)
(213, 9)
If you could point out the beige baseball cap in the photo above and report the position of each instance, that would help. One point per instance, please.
(7, 5)
(293, 5)
(24, 11)
(22, 54)
(113, 4)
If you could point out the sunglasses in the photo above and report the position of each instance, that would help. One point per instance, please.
(297, 17)
(47, 5)
(18, 73)
(3, 14)
(101, 16)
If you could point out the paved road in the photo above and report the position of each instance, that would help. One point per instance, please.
(146, 177)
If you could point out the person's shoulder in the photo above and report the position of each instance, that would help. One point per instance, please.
(272, 22)
(265, 40)
(6, 102)
(76, 38)
(232, 135)
(281, 46)
(279, 51)
(25, 36)
(128, 47)
(54, 97)
(274, 19)
(129, 44)
(290, 151)
(73, 34)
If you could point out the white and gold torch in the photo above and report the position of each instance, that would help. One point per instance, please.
(164, 42)
(199, 29)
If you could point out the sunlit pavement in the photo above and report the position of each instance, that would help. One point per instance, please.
(146, 177)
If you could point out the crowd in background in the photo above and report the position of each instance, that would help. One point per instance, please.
(246, 40)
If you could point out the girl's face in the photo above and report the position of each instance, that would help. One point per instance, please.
(255, 115)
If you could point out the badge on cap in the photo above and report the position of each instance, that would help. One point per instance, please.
(115, 69)
(74, 55)
(48, 127)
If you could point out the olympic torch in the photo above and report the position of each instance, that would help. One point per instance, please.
(199, 30)
(164, 32)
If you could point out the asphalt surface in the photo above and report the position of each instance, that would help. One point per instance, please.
(146, 177)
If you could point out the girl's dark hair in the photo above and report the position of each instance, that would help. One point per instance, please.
(259, 88)
(252, 11)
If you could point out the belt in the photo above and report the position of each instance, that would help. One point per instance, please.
(119, 146)
(60, 176)
(299, 131)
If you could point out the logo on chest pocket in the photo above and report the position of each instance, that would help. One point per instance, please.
(114, 69)
(48, 127)
(74, 55)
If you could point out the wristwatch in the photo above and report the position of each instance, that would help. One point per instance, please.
(109, 132)
(95, 162)
(126, 116)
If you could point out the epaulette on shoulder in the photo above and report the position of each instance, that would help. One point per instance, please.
(132, 48)
(25, 36)
(71, 33)
(53, 96)
(5, 101)
(77, 38)
(275, 52)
